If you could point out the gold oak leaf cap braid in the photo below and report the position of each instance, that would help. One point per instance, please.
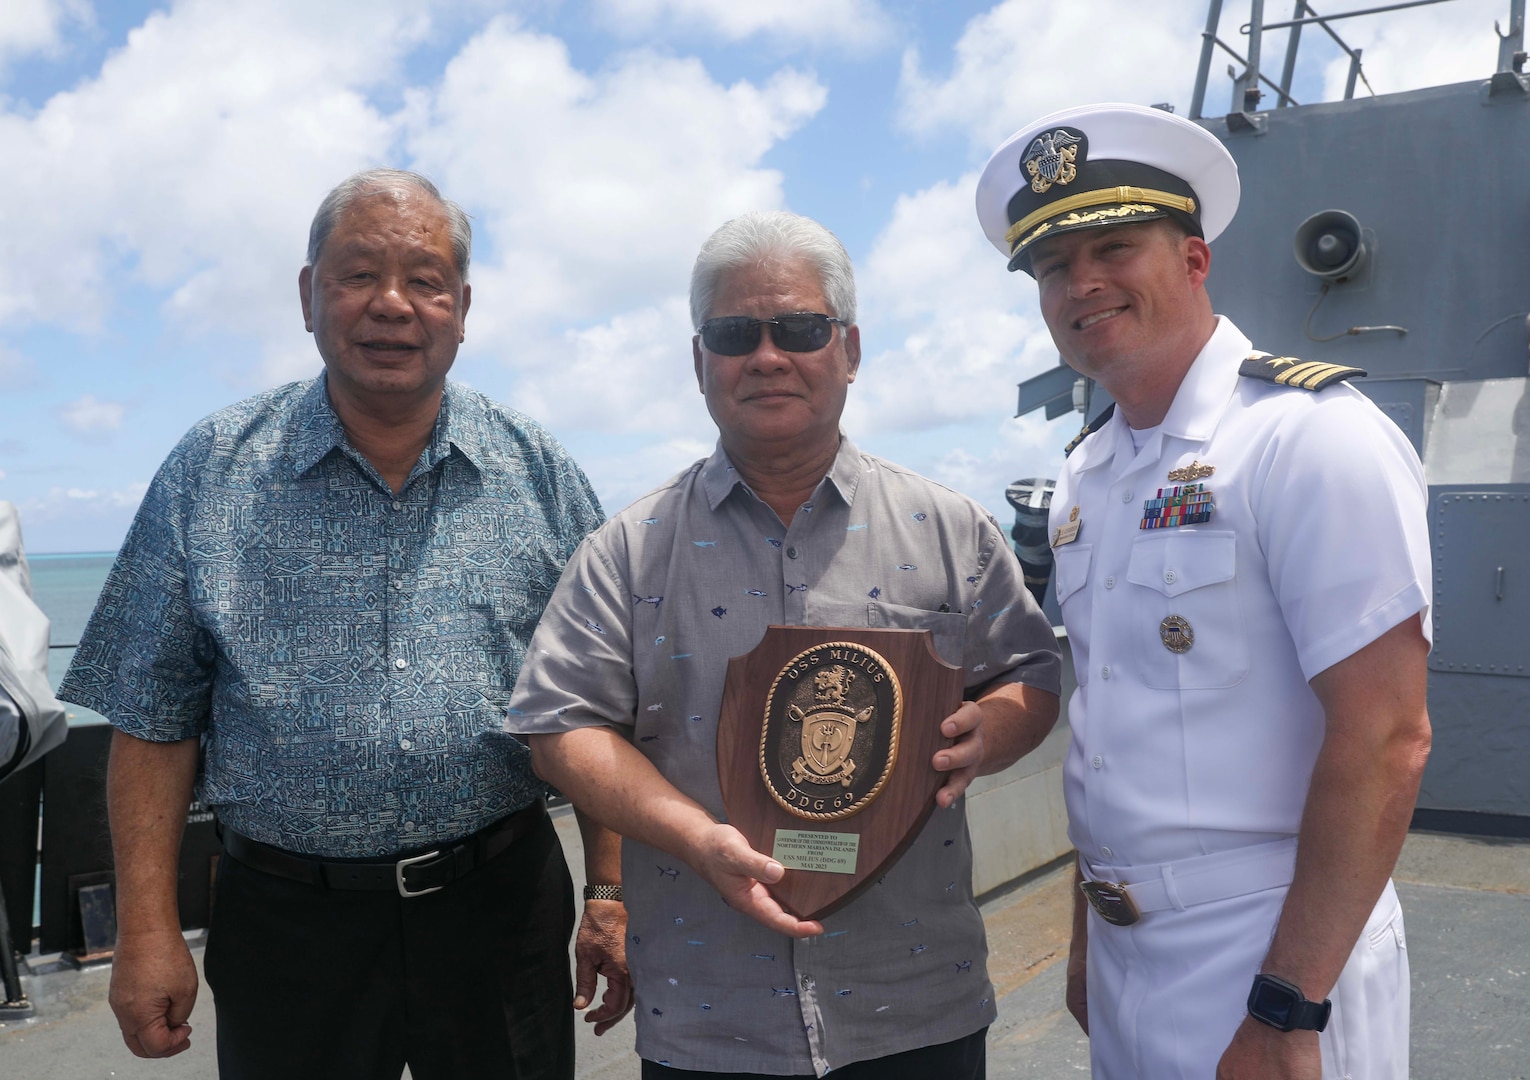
(1303, 374)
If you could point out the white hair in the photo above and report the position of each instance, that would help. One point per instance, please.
(761, 235)
(372, 181)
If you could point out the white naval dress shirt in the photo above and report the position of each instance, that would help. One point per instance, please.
(1317, 545)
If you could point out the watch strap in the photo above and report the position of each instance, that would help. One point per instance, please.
(1310, 1015)
(1300, 1014)
(603, 892)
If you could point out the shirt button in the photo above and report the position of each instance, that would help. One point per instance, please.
(398, 584)
(401, 663)
(1169, 577)
(409, 826)
(791, 553)
(807, 982)
(1105, 672)
(1105, 851)
(397, 505)
(1097, 761)
(405, 744)
(1126, 496)
(1110, 582)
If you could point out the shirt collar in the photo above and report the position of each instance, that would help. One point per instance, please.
(317, 429)
(719, 477)
(1202, 396)
(1198, 403)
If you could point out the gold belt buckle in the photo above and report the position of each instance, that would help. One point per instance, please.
(1110, 901)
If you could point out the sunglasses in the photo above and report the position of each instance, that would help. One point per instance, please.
(739, 335)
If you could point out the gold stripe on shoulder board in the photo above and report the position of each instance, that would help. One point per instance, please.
(1291, 371)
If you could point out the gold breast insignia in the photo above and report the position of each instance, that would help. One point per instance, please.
(1176, 634)
(1191, 473)
(1068, 533)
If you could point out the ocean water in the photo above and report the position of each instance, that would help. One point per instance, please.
(66, 588)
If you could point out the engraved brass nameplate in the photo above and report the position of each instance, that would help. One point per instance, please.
(825, 852)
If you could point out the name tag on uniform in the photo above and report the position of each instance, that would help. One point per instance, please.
(1068, 533)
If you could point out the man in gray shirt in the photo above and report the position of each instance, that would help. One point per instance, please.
(787, 523)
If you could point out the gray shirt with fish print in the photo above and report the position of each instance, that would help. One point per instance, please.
(638, 635)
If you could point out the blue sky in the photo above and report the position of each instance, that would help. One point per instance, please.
(162, 161)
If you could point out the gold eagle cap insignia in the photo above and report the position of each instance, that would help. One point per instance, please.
(1191, 472)
(1052, 159)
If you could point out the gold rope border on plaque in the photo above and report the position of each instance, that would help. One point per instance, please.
(892, 753)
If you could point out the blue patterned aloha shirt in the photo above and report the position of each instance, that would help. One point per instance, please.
(345, 653)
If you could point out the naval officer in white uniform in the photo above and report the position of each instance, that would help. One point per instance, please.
(1243, 567)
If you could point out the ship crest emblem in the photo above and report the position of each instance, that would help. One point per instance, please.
(831, 730)
(828, 730)
(1052, 159)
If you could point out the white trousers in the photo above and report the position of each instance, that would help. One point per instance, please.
(1167, 993)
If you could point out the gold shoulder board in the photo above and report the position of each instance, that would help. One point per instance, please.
(1289, 371)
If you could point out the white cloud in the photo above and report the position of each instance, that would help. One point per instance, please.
(621, 478)
(963, 330)
(80, 519)
(633, 374)
(807, 22)
(591, 195)
(192, 162)
(1405, 50)
(1021, 60)
(32, 26)
(89, 415)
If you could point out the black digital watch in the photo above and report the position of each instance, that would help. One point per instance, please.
(1280, 1004)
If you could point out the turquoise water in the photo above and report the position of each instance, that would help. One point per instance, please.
(66, 588)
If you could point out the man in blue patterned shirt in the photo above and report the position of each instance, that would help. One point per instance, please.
(318, 616)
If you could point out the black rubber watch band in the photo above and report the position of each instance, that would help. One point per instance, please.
(1282, 1006)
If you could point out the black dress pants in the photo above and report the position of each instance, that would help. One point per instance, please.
(960, 1059)
(472, 981)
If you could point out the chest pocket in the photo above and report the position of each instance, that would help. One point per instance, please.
(1187, 581)
(1070, 569)
(948, 628)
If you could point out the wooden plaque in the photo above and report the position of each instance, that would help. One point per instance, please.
(823, 752)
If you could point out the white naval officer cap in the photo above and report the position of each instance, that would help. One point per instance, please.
(1098, 165)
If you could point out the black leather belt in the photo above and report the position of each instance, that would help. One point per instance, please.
(413, 875)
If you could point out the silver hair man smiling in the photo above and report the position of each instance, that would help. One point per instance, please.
(786, 523)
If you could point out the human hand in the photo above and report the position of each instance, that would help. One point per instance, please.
(740, 874)
(1260, 1052)
(600, 948)
(153, 988)
(963, 759)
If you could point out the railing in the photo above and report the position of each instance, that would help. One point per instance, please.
(1247, 95)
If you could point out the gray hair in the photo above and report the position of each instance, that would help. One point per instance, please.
(397, 181)
(762, 235)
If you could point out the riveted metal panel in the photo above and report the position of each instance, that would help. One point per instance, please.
(1481, 547)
